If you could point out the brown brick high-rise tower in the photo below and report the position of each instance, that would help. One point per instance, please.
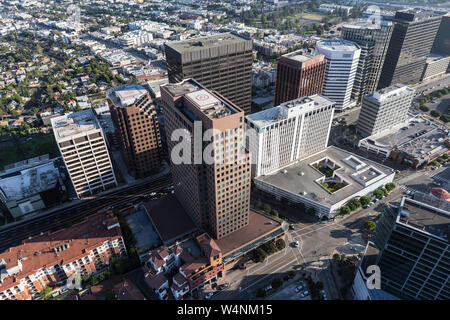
(299, 74)
(216, 194)
(137, 127)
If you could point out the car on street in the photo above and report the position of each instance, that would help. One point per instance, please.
(209, 295)
(305, 293)
(324, 294)
(297, 290)
(291, 227)
(268, 288)
(296, 244)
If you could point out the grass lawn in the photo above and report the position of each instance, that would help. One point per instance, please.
(28, 149)
(309, 16)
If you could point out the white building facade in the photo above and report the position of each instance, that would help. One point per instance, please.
(83, 147)
(342, 62)
(293, 130)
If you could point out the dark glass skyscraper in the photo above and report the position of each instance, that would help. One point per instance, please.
(411, 41)
(374, 41)
(221, 62)
(414, 256)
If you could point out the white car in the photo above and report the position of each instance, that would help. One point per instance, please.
(297, 290)
(209, 295)
(296, 244)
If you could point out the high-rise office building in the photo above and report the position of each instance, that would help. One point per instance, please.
(414, 257)
(411, 41)
(342, 62)
(385, 109)
(222, 63)
(291, 131)
(82, 144)
(215, 192)
(374, 41)
(299, 74)
(136, 124)
(441, 44)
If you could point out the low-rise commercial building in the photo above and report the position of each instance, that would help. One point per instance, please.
(435, 66)
(326, 180)
(31, 185)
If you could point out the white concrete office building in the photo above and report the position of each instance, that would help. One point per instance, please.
(293, 130)
(342, 63)
(82, 145)
(384, 109)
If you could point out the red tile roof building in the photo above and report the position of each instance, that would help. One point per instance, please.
(193, 271)
(126, 290)
(50, 258)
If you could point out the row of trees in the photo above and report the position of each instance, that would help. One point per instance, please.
(268, 248)
(365, 200)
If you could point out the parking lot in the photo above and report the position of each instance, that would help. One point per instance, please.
(290, 292)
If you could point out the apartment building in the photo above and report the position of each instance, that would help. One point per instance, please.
(413, 241)
(373, 39)
(220, 62)
(136, 124)
(50, 259)
(299, 74)
(410, 45)
(384, 109)
(342, 62)
(291, 131)
(216, 194)
(82, 144)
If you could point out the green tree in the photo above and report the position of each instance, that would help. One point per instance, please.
(46, 293)
(435, 113)
(110, 296)
(390, 186)
(274, 213)
(259, 255)
(261, 293)
(424, 108)
(378, 193)
(94, 281)
(365, 200)
(276, 283)
(280, 244)
(369, 225)
(434, 163)
(267, 208)
(345, 210)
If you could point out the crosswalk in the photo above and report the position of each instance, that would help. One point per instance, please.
(406, 188)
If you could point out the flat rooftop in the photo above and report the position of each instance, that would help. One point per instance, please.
(338, 45)
(169, 218)
(258, 227)
(207, 42)
(126, 95)
(302, 55)
(300, 177)
(428, 144)
(281, 112)
(365, 24)
(402, 133)
(425, 217)
(395, 91)
(201, 98)
(74, 123)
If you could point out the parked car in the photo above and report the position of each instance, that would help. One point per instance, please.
(268, 288)
(296, 244)
(209, 295)
(291, 227)
(297, 290)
